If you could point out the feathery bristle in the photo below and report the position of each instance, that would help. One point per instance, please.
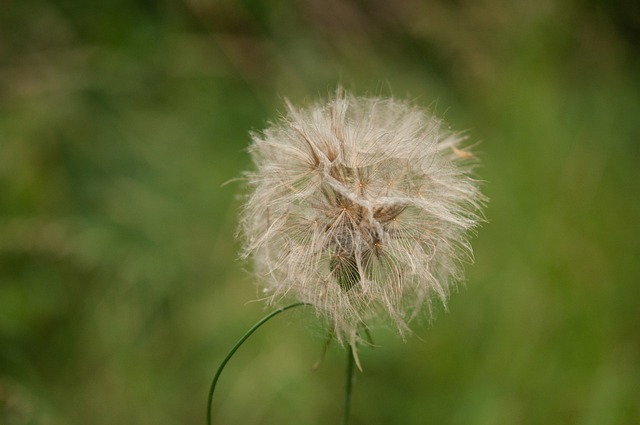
(360, 207)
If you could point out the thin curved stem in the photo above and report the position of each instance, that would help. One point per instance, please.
(235, 348)
(350, 379)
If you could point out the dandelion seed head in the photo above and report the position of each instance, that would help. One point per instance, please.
(361, 207)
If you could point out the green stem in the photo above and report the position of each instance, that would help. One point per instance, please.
(235, 348)
(350, 379)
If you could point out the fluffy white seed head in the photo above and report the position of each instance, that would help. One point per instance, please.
(360, 207)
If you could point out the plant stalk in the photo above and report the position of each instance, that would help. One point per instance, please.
(349, 384)
(235, 348)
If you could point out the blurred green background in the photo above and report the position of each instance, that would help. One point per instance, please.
(120, 292)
